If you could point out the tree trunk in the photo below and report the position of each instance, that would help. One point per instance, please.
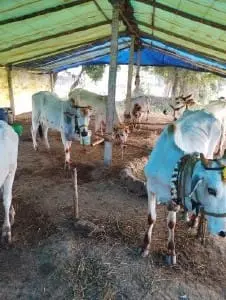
(76, 82)
(175, 84)
(111, 85)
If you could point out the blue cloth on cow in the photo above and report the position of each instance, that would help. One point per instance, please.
(3, 115)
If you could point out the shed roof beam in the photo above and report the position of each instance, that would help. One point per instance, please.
(183, 14)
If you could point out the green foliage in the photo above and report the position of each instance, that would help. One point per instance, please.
(95, 72)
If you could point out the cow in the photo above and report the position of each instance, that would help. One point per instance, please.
(49, 111)
(216, 107)
(139, 110)
(99, 105)
(177, 175)
(8, 164)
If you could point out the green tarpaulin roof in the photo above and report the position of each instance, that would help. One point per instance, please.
(35, 29)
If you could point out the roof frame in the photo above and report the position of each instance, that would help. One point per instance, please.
(44, 11)
(183, 14)
(180, 36)
(59, 34)
(68, 49)
(126, 12)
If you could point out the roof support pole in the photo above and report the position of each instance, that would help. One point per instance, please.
(10, 87)
(137, 79)
(110, 114)
(130, 76)
(51, 82)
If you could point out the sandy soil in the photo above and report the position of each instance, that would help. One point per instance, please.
(53, 257)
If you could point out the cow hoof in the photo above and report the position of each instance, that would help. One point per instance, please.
(144, 252)
(6, 236)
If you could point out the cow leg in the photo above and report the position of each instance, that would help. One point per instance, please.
(34, 130)
(67, 148)
(151, 222)
(173, 208)
(7, 200)
(45, 134)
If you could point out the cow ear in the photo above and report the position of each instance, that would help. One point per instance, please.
(204, 161)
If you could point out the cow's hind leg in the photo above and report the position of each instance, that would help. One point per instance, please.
(7, 201)
(34, 130)
(173, 208)
(45, 134)
(151, 222)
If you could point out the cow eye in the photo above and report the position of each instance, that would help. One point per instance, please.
(212, 191)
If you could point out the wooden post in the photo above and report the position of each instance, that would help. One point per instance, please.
(130, 76)
(75, 202)
(137, 79)
(10, 87)
(111, 85)
(51, 81)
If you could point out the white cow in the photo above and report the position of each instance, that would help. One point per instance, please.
(49, 111)
(8, 164)
(177, 179)
(217, 108)
(99, 105)
(139, 109)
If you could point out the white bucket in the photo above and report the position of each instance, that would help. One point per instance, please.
(86, 140)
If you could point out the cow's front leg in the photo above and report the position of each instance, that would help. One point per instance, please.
(45, 134)
(151, 222)
(173, 208)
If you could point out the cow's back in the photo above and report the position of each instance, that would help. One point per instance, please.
(48, 108)
(8, 150)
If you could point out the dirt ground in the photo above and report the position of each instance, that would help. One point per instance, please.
(53, 257)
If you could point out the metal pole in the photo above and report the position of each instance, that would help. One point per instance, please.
(111, 85)
(10, 87)
(130, 76)
(137, 79)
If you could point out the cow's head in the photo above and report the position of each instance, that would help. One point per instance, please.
(82, 118)
(209, 180)
(120, 133)
(137, 111)
(181, 104)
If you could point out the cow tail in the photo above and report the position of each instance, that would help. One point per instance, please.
(40, 131)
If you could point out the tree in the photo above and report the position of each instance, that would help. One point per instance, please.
(203, 85)
(95, 73)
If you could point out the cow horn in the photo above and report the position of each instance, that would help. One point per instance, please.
(187, 97)
(204, 161)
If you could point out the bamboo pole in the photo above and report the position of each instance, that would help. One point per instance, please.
(130, 76)
(75, 199)
(10, 87)
(51, 81)
(112, 84)
(98, 142)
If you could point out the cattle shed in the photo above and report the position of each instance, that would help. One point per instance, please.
(43, 37)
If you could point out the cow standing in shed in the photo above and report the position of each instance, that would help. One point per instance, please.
(217, 108)
(8, 164)
(49, 111)
(177, 176)
(99, 105)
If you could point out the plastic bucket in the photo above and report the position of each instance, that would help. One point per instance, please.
(18, 128)
(86, 140)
